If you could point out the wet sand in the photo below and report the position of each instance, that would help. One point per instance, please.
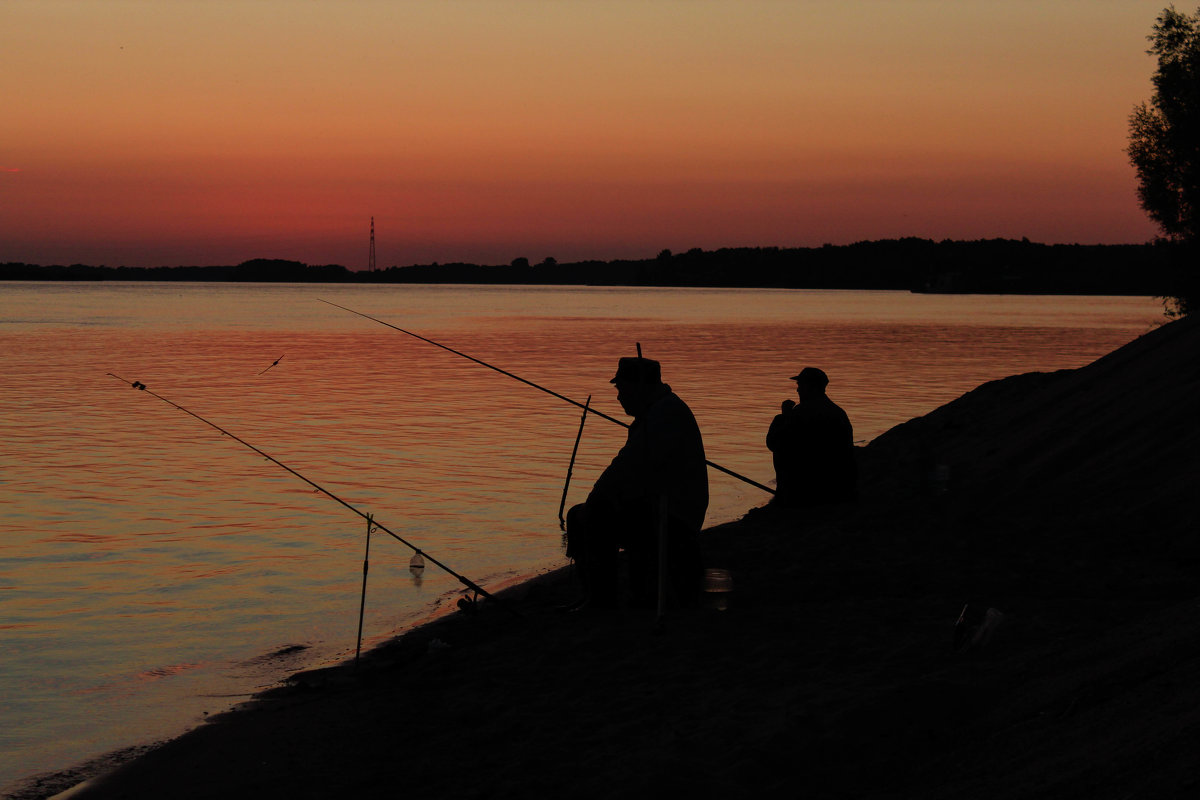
(1066, 502)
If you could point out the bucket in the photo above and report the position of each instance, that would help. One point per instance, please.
(718, 585)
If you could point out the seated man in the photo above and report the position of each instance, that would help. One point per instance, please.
(812, 443)
(663, 456)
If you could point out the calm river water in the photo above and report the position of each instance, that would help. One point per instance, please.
(153, 570)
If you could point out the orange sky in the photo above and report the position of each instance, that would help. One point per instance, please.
(189, 132)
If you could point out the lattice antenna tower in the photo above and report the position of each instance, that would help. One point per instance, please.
(371, 257)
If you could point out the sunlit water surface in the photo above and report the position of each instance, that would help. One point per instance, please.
(153, 570)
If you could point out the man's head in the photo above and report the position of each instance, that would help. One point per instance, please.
(811, 382)
(637, 381)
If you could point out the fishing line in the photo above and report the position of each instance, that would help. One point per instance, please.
(470, 584)
(576, 403)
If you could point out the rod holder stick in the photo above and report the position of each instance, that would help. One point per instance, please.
(662, 556)
(531, 384)
(639, 348)
(562, 523)
(362, 603)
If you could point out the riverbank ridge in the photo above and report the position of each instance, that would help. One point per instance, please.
(1063, 500)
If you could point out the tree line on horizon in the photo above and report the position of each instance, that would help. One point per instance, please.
(984, 266)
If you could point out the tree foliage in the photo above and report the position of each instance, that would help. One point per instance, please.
(1164, 137)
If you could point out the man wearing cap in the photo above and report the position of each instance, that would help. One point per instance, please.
(812, 443)
(663, 456)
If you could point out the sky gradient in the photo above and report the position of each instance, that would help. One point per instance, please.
(188, 132)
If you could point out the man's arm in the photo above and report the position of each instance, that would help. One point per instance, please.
(777, 434)
(656, 446)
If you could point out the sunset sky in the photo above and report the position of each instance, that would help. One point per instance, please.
(189, 132)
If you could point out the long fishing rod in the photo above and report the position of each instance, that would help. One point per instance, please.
(539, 387)
(470, 584)
(479, 362)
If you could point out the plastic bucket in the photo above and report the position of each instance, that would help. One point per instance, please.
(718, 588)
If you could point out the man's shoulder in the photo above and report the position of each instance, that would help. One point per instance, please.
(817, 412)
(827, 404)
(671, 402)
(671, 406)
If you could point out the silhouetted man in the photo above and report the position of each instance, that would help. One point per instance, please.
(813, 446)
(663, 455)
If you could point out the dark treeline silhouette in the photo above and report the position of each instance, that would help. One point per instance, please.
(990, 266)
(259, 270)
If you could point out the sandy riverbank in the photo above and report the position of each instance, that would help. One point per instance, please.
(1069, 506)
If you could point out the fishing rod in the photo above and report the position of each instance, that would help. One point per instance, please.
(362, 602)
(539, 387)
(479, 362)
(470, 584)
(562, 523)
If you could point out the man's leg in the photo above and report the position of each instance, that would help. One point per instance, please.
(638, 535)
(591, 545)
(685, 566)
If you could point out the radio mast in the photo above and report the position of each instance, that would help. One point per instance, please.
(371, 257)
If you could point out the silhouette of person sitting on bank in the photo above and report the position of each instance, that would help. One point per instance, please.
(812, 443)
(663, 456)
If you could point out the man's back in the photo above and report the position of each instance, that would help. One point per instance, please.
(663, 454)
(813, 447)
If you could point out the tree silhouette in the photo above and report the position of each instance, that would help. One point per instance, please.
(1164, 139)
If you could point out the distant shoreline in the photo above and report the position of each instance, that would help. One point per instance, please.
(991, 266)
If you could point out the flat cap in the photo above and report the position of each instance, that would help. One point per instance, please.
(811, 376)
(638, 370)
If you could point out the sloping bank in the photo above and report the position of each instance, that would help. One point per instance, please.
(1064, 500)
